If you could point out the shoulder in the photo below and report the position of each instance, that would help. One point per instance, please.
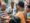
(20, 14)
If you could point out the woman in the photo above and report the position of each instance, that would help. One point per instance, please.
(20, 13)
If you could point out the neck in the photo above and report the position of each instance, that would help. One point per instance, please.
(11, 7)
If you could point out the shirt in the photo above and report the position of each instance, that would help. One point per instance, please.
(4, 16)
(3, 13)
(21, 15)
(9, 10)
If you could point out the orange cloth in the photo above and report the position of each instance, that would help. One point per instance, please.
(21, 15)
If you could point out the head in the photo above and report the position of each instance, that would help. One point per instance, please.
(28, 11)
(28, 8)
(12, 4)
(20, 5)
(27, 2)
(3, 7)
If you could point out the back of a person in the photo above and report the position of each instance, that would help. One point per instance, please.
(15, 19)
(21, 15)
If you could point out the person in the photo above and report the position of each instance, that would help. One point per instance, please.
(2, 8)
(15, 19)
(11, 8)
(27, 12)
(4, 14)
(27, 3)
(19, 6)
(20, 13)
(1, 3)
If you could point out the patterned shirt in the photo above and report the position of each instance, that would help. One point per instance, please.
(4, 16)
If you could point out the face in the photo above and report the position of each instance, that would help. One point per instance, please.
(3, 7)
(12, 4)
(18, 8)
(28, 9)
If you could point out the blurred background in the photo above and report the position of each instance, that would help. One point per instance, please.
(14, 11)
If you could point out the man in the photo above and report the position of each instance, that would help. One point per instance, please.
(20, 12)
(4, 14)
(11, 9)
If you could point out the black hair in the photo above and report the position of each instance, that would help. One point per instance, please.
(21, 4)
(28, 6)
(12, 2)
(15, 20)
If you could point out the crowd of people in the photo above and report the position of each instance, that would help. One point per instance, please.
(14, 14)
